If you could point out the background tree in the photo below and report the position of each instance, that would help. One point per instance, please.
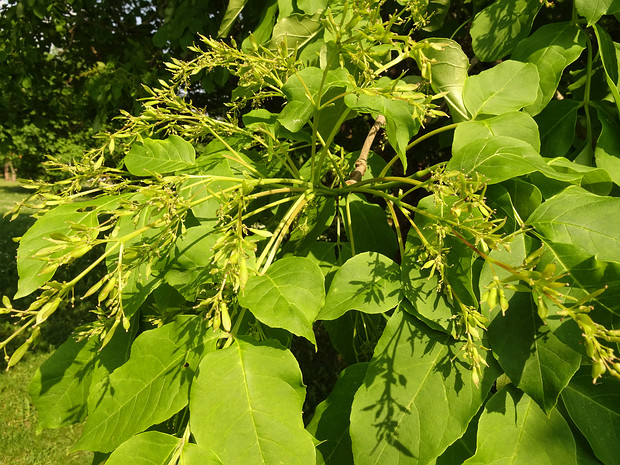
(69, 67)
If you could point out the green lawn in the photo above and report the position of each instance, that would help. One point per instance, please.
(19, 442)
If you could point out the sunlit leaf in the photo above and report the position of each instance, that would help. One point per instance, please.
(246, 406)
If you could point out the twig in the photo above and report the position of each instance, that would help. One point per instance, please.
(362, 161)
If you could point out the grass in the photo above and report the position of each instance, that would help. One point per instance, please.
(19, 442)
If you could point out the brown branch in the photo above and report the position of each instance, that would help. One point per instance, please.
(362, 161)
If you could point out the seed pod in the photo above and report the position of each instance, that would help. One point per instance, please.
(225, 317)
(6, 302)
(543, 311)
(106, 289)
(47, 310)
(18, 354)
(80, 251)
(503, 301)
(492, 298)
(60, 237)
(475, 377)
(549, 270)
(534, 256)
(598, 369)
(243, 272)
(49, 269)
(217, 321)
(94, 288)
(246, 188)
(590, 347)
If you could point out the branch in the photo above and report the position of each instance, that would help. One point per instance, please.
(361, 162)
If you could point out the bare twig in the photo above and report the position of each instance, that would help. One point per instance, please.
(361, 162)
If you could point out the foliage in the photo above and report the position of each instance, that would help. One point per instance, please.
(69, 67)
(474, 300)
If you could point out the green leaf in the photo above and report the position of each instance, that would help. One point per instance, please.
(420, 287)
(289, 295)
(246, 406)
(514, 124)
(595, 180)
(534, 359)
(61, 385)
(514, 430)
(551, 48)
(463, 448)
(150, 448)
(588, 274)
(160, 156)
(446, 65)
(317, 216)
(140, 282)
(187, 268)
(312, 6)
(400, 125)
(262, 32)
(368, 282)
(607, 51)
(193, 454)
(371, 231)
(424, 299)
(525, 197)
(416, 399)
(304, 91)
(595, 409)
(592, 10)
(498, 28)
(296, 30)
(207, 192)
(330, 423)
(576, 216)
(509, 86)
(607, 151)
(56, 221)
(557, 127)
(436, 11)
(150, 387)
(499, 158)
(233, 10)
